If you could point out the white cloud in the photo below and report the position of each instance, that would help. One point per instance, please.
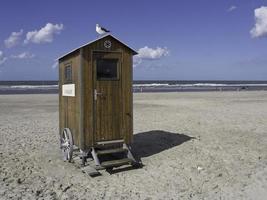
(24, 55)
(2, 58)
(260, 28)
(149, 53)
(13, 39)
(146, 53)
(136, 61)
(44, 35)
(231, 8)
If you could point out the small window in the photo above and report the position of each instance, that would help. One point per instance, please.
(107, 69)
(68, 74)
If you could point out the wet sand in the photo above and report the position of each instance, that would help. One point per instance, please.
(204, 145)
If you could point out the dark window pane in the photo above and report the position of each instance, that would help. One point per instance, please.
(106, 69)
(68, 74)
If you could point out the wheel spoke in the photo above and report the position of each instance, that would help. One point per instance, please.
(67, 144)
(65, 135)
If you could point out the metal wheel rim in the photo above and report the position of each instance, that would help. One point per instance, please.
(67, 144)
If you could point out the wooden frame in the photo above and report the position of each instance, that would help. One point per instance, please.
(96, 115)
(77, 113)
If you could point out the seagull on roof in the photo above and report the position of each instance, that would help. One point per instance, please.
(101, 30)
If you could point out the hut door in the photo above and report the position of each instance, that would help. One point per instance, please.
(107, 96)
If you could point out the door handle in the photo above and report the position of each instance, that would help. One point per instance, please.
(96, 93)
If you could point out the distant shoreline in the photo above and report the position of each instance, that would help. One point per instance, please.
(139, 90)
(51, 87)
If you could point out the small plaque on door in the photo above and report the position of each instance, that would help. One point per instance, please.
(68, 90)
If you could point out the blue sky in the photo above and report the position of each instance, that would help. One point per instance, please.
(181, 40)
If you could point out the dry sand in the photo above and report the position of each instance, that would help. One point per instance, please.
(208, 145)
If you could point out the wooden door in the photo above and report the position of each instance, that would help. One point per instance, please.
(107, 96)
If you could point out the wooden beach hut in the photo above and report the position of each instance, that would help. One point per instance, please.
(95, 101)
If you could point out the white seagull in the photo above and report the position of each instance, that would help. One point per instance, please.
(100, 30)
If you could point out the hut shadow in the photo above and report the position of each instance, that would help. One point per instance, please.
(152, 142)
(148, 143)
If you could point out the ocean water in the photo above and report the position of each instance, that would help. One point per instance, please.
(51, 87)
(28, 87)
(197, 85)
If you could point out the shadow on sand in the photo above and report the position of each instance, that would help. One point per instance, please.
(148, 143)
(152, 142)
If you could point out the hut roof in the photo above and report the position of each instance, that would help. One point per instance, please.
(99, 38)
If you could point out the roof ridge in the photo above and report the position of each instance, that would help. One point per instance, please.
(92, 41)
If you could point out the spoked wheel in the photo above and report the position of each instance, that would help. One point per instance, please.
(66, 144)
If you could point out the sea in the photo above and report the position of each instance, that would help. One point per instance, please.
(51, 87)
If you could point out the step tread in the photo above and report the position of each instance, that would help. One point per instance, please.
(90, 171)
(110, 151)
(110, 142)
(114, 163)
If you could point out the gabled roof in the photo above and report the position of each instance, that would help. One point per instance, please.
(106, 35)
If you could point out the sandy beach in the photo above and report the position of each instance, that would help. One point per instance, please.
(202, 145)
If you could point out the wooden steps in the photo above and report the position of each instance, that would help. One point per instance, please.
(109, 156)
(115, 152)
(116, 163)
(111, 151)
(106, 157)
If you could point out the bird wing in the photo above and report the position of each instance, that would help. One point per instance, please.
(103, 29)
